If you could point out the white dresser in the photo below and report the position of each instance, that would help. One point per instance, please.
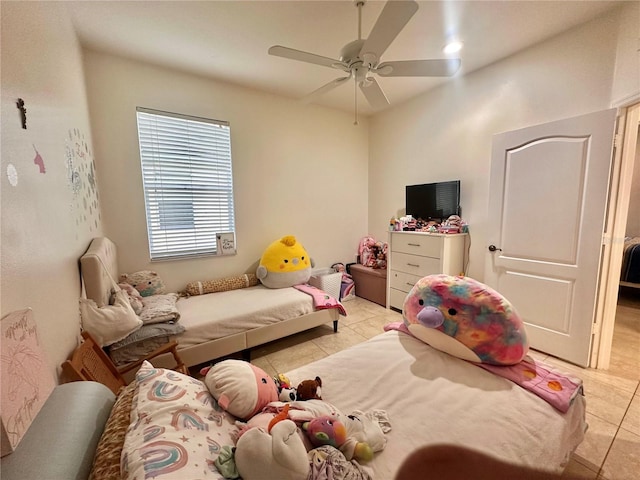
(413, 255)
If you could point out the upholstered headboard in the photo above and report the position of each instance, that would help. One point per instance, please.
(101, 254)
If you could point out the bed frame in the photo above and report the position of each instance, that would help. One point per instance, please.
(102, 251)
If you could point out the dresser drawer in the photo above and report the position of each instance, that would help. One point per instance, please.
(396, 298)
(403, 281)
(424, 245)
(414, 264)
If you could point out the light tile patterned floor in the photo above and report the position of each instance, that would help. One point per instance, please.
(611, 450)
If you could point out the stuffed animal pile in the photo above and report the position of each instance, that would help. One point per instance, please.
(285, 439)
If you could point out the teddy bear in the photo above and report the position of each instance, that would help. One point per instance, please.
(309, 389)
(146, 282)
(240, 388)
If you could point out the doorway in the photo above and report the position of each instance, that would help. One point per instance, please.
(624, 187)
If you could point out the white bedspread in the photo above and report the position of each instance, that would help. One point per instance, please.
(216, 315)
(433, 398)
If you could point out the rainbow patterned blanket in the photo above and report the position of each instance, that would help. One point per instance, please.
(557, 388)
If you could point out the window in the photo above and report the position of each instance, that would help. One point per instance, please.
(188, 183)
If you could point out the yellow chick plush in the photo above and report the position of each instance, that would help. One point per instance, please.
(284, 263)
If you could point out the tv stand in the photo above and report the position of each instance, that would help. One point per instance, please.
(413, 255)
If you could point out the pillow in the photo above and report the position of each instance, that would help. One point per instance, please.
(110, 323)
(177, 429)
(222, 284)
(146, 282)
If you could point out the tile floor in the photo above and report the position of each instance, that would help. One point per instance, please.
(611, 450)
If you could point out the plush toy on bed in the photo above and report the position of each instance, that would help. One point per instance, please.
(286, 393)
(284, 263)
(275, 455)
(309, 389)
(465, 318)
(242, 389)
(327, 430)
(146, 282)
(135, 299)
(358, 436)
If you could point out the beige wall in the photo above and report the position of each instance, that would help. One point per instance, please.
(626, 83)
(48, 219)
(446, 134)
(297, 169)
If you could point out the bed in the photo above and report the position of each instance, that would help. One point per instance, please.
(215, 324)
(630, 272)
(427, 396)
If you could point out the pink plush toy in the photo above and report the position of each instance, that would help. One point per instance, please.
(466, 319)
(328, 430)
(242, 389)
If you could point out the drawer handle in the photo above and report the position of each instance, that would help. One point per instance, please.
(413, 244)
(411, 284)
(413, 265)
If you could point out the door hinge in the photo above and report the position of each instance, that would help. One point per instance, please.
(616, 140)
(595, 329)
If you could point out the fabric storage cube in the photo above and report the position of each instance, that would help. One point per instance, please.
(327, 279)
(371, 283)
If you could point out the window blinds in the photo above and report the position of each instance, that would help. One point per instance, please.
(188, 183)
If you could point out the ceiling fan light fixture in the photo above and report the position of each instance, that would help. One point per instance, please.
(453, 47)
(360, 59)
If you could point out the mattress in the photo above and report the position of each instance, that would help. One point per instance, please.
(431, 397)
(217, 315)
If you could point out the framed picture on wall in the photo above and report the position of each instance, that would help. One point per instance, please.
(226, 243)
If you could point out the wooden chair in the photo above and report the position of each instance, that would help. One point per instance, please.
(90, 362)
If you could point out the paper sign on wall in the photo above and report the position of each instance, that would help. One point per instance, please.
(26, 377)
(226, 243)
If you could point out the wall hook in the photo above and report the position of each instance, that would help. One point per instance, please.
(23, 112)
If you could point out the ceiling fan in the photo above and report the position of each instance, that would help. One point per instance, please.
(360, 59)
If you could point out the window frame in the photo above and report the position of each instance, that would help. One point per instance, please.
(190, 203)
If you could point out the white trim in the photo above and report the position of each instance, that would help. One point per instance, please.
(627, 101)
(614, 238)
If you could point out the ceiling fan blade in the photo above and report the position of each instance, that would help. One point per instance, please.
(392, 19)
(373, 93)
(280, 51)
(324, 89)
(419, 68)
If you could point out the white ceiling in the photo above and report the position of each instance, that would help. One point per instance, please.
(228, 40)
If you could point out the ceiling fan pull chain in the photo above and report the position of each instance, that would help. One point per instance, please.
(359, 4)
(355, 102)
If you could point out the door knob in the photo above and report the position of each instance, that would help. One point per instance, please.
(493, 248)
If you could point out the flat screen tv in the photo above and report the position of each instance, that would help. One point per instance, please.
(433, 201)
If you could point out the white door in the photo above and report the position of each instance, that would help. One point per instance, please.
(547, 203)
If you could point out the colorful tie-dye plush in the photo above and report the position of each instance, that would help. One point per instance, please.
(465, 318)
